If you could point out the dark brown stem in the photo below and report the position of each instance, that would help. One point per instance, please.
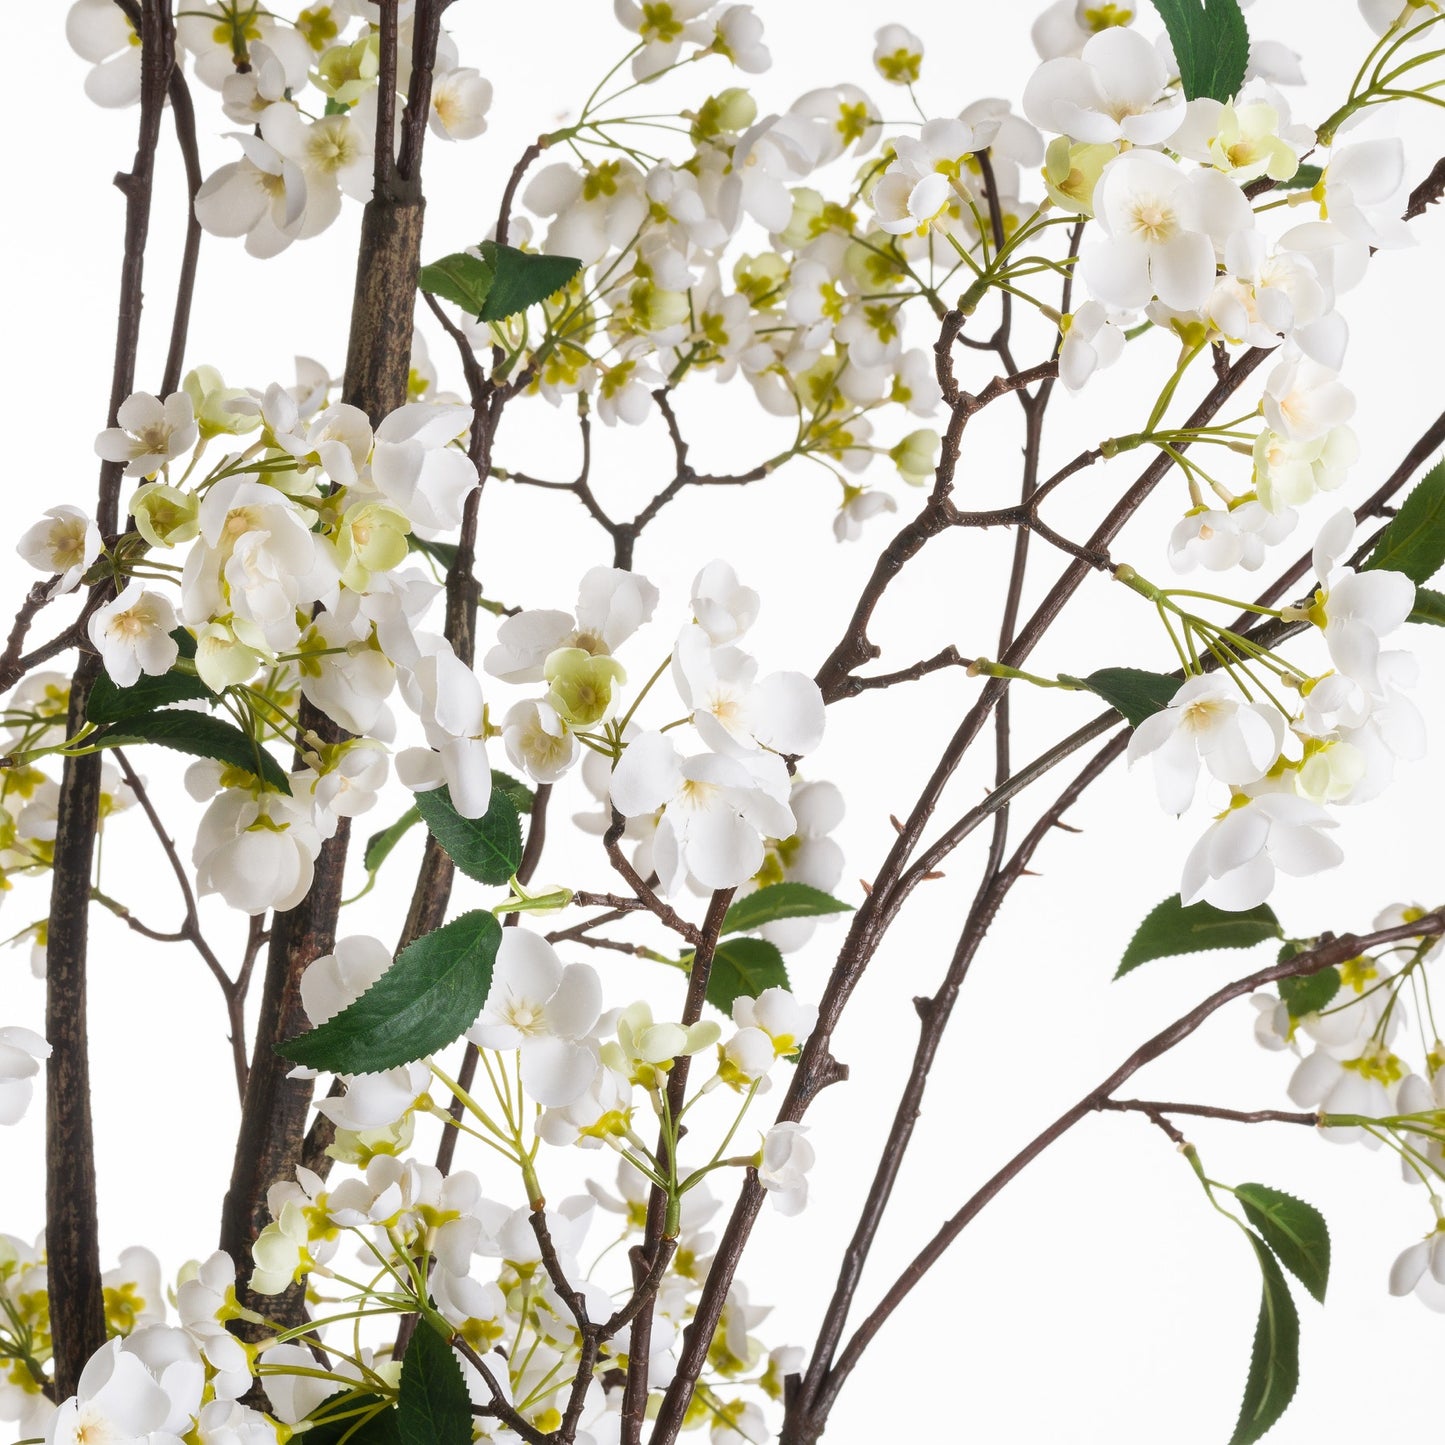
(665, 912)
(272, 1137)
(190, 930)
(11, 667)
(500, 1407)
(645, 1256)
(1152, 1107)
(77, 1307)
(183, 117)
(77, 1301)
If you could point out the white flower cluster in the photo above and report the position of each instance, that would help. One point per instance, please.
(1352, 1074)
(715, 810)
(1350, 725)
(293, 581)
(304, 93)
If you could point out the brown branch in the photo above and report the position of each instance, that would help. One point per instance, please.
(501, 1407)
(11, 667)
(645, 1256)
(852, 685)
(665, 912)
(1331, 951)
(1428, 192)
(190, 929)
(1152, 1107)
(77, 1307)
(183, 117)
(272, 1137)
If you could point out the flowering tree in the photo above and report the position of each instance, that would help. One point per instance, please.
(279, 582)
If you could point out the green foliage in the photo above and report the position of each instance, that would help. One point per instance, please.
(109, 703)
(200, 735)
(1211, 44)
(744, 966)
(460, 278)
(521, 795)
(1294, 1230)
(443, 553)
(1414, 541)
(351, 1423)
(780, 900)
(488, 848)
(432, 1406)
(1310, 992)
(379, 845)
(1172, 929)
(429, 996)
(1429, 607)
(1306, 178)
(1130, 691)
(499, 283)
(1274, 1362)
(521, 279)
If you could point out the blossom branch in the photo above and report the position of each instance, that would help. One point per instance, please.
(1329, 952)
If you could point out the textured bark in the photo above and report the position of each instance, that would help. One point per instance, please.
(378, 355)
(272, 1137)
(77, 1302)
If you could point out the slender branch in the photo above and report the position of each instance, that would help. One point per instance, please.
(183, 117)
(852, 685)
(501, 1406)
(77, 1307)
(191, 928)
(1210, 1111)
(645, 1256)
(1332, 951)
(645, 895)
(11, 668)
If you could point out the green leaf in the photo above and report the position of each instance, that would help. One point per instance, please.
(521, 795)
(1311, 992)
(109, 703)
(488, 848)
(379, 845)
(521, 279)
(1172, 929)
(1294, 1230)
(1429, 607)
(1211, 44)
(429, 996)
(461, 278)
(444, 553)
(200, 735)
(378, 1429)
(780, 900)
(1306, 178)
(744, 966)
(1274, 1363)
(432, 1406)
(1414, 542)
(1130, 691)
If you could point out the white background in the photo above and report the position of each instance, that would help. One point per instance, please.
(1099, 1299)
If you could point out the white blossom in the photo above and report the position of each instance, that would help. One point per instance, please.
(783, 1169)
(132, 633)
(21, 1054)
(65, 541)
